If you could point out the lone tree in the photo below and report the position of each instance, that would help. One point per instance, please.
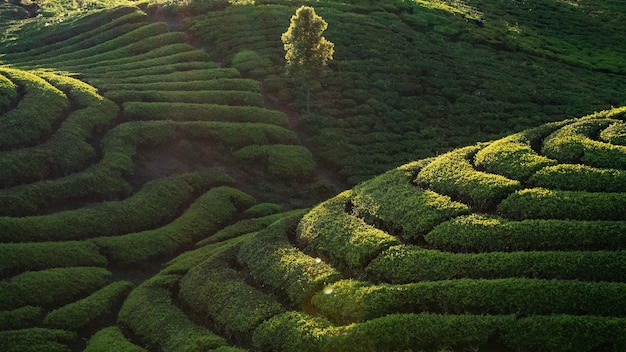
(306, 50)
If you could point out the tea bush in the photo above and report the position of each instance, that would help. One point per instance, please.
(481, 233)
(287, 162)
(37, 340)
(542, 203)
(221, 97)
(89, 310)
(21, 318)
(51, 287)
(393, 203)
(344, 241)
(452, 174)
(570, 177)
(275, 263)
(111, 338)
(405, 264)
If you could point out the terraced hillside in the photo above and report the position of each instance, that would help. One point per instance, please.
(151, 200)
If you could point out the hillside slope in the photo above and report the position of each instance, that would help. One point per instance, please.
(154, 163)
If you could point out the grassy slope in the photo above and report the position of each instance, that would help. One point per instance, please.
(410, 79)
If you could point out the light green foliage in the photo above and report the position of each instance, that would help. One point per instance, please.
(346, 241)
(151, 315)
(288, 162)
(542, 203)
(51, 287)
(406, 264)
(394, 204)
(8, 92)
(577, 177)
(89, 310)
(272, 260)
(482, 233)
(614, 133)
(111, 338)
(307, 51)
(452, 174)
(216, 291)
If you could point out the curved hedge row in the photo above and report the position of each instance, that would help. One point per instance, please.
(289, 162)
(344, 241)
(406, 264)
(452, 174)
(36, 339)
(221, 97)
(576, 177)
(32, 119)
(482, 233)
(111, 338)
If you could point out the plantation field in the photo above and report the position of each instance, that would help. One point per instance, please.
(459, 183)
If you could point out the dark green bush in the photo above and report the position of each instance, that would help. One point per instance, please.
(343, 240)
(576, 177)
(8, 92)
(21, 318)
(452, 174)
(221, 97)
(392, 203)
(481, 233)
(406, 264)
(276, 264)
(541, 203)
(264, 209)
(19, 257)
(163, 57)
(151, 315)
(347, 302)
(188, 75)
(89, 310)
(202, 112)
(208, 213)
(288, 162)
(423, 332)
(111, 339)
(566, 333)
(36, 340)
(239, 84)
(216, 292)
(32, 119)
(51, 287)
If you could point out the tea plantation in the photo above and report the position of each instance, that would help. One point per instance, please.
(160, 189)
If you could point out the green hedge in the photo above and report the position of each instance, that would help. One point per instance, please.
(421, 332)
(203, 112)
(614, 133)
(214, 291)
(207, 214)
(513, 156)
(179, 76)
(346, 302)
(345, 241)
(452, 174)
(245, 226)
(8, 92)
(111, 339)
(573, 144)
(37, 340)
(541, 203)
(241, 84)
(406, 264)
(32, 119)
(120, 45)
(221, 97)
(482, 233)
(19, 257)
(151, 316)
(275, 263)
(92, 36)
(21, 318)
(392, 203)
(576, 177)
(52, 287)
(156, 203)
(566, 333)
(287, 162)
(157, 71)
(67, 150)
(293, 331)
